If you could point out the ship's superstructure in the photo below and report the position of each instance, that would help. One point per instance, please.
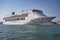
(32, 16)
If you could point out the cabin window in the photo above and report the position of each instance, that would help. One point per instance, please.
(18, 19)
(22, 18)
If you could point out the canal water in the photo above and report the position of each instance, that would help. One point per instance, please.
(29, 32)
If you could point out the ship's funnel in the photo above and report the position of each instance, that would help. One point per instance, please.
(13, 13)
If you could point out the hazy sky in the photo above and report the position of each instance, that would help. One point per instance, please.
(49, 7)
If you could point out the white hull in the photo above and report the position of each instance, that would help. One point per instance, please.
(27, 21)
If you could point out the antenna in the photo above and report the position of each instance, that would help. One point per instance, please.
(22, 10)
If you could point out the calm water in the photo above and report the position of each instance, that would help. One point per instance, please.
(30, 32)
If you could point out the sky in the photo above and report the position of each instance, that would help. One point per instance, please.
(49, 7)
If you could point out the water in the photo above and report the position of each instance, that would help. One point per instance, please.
(29, 32)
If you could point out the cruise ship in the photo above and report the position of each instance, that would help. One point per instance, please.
(33, 16)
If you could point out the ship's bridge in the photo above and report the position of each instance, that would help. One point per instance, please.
(38, 12)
